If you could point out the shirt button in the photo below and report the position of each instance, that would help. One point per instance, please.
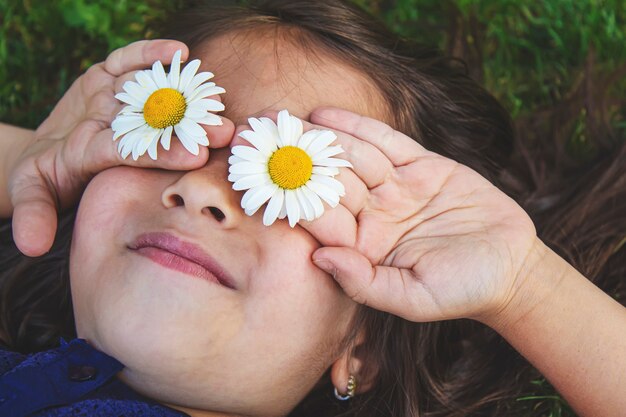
(80, 373)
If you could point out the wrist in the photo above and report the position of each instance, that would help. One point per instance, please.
(535, 284)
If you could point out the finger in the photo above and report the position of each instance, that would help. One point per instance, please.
(370, 164)
(357, 192)
(34, 217)
(399, 148)
(103, 106)
(142, 54)
(396, 291)
(336, 227)
(94, 150)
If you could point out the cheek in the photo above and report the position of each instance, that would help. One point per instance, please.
(291, 292)
(110, 200)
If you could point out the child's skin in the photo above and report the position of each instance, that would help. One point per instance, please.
(453, 246)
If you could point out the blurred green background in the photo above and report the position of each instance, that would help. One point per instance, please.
(557, 60)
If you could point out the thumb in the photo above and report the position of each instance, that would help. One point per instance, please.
(397, 291)
(34, 219)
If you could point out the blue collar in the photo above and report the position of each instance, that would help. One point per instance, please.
(56, 377)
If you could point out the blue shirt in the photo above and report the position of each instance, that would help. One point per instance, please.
(72, 380)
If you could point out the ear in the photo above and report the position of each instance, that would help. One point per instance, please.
(353, 362)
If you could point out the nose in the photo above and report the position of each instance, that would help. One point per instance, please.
(206, 192)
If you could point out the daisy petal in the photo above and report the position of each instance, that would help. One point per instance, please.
(125, 150)
(195, 114)
(325, 138)
(131, 110)
(293, 208)
(196, 81)
(250, 212)
(260, 196)
(314, 200)
(210, 119)
(158, 74)
(265, 145)
(248, 168)
(123, 125)
(145, 140)
(327, 194)
(152, 149)
(307, 138)
(250, 181)
(289, 128)
(167, 137)
(187, 141)
(202, 140)
(327, 153)
(205, 91)
(283, 212)
(207, 104)
(269, 125)
(174, 76)
(234, 159)
(248, 153)
(124, 145)
(260, 129)
(192, 128)
(330, 182)
(136, 91)
(273, 207)
(296, 129)
(334, 162)
(328, 171)
(128, 99)
(235, 177)
(187, 74)
(246, 196)
(145, 80)
(307, 211)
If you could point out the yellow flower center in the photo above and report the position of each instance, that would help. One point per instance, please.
(165, 107)
(290, 167)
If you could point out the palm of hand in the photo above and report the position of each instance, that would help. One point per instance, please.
(450, 233)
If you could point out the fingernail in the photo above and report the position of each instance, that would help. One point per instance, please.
(326, 266)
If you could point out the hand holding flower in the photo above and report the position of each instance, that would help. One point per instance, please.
(433, 239)
(75, 142)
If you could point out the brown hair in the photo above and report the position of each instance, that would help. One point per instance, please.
(454, 368)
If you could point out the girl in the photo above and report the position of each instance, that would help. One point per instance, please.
(419, 239)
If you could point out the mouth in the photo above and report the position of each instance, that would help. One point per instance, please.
(176, 254)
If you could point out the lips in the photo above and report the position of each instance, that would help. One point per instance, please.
(176, 254)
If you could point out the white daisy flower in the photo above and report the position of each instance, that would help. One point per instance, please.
(160, 103)
(294, 171)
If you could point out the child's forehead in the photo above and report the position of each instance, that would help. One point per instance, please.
(264, 70)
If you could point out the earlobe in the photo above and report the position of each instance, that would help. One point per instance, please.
(354, 362)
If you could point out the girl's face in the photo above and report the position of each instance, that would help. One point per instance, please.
(256, 342)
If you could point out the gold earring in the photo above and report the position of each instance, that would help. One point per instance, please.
(350, 389)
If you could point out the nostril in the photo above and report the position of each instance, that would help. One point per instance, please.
(217, 213)
(177, 200)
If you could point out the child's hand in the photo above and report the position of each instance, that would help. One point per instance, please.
(75, 142)
(433, 239)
